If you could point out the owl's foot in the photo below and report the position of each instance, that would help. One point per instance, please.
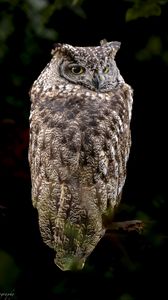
(137, 225)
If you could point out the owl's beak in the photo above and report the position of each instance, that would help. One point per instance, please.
(98, 80)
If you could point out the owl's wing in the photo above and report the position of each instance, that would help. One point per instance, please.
(54, 152)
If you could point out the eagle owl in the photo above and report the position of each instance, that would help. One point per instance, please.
(79, 146)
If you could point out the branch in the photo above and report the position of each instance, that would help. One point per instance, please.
(132, 225)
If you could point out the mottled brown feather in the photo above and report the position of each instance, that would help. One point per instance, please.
(79, 146)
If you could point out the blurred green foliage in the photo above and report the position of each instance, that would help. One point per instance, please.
(154, 48)
(38, 14)
(144, 9)
(25, 28)
(28, 24)
(9, 272)
(126, 297)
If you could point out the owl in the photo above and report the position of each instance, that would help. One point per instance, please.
(79, 146)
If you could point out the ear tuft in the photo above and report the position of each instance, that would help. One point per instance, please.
(115, 46)
(103, 42)
(56, 47)
(112, 47)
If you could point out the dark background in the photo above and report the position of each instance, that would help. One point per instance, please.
(123, 266)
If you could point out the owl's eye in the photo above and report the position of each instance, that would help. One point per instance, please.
(77, 70)
(106, 70)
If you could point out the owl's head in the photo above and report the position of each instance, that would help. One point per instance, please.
(92, 67)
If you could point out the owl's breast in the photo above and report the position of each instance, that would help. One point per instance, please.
(87, 131)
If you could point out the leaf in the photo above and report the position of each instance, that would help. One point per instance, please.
(143, 10)
(6, 27)
(152, 48)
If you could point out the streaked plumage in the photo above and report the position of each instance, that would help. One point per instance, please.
(79, 146)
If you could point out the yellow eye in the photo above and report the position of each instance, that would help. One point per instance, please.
(77, 70)
(106, 70)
